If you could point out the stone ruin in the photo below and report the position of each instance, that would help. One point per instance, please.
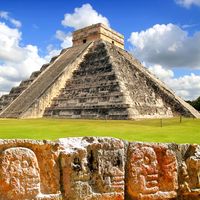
(92, 168)
(94, 79)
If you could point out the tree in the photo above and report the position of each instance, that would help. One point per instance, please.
(195, 103)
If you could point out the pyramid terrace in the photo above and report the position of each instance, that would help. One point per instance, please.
(94, 79)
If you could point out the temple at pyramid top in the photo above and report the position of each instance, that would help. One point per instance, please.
(94, 79)
(97, 32)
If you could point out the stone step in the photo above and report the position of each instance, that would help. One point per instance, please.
(64, 98)
(92, 71)
(93, 89)
(89, 78)
(91, 85)
(91, 107)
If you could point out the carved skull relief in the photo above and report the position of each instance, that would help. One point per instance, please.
(190, 173)
(19, 174)
(143, 172)
(152, 173)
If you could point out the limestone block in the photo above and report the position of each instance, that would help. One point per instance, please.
(19, 174)
(29, 170)
(190, 174)
(93, 169)
(151, 172)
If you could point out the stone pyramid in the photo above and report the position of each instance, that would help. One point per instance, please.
(94, 79)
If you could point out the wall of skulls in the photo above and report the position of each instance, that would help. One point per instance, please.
(93, 168)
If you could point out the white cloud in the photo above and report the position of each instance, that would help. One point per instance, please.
(2, 93)
(66, 38)
(83, 16)
(188, 3)
(163, 47)
(51, 52)
(187, 87)
(186, 26)
(16, 62)
(9, 44)
(167, 45)
(160, 72)
(66, 41)
(5, 15)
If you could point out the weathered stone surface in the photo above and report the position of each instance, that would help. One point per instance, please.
(46, 159)
(190, 174)
(92, 168)
(92, 92)
(5, 100)
(152, 172)
(97, 32)
(33, 101)
(19, 174)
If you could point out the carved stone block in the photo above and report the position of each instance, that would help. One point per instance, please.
(151, 172)
(190, 174)
(93, 170)
(19, 174)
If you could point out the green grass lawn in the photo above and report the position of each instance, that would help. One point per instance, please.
(144, 130)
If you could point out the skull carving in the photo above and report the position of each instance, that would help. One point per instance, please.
(152, 173)
(190, 174)
(19, 174)
(143, 172)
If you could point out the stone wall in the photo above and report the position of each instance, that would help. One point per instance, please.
(98, 32)
(92, 168)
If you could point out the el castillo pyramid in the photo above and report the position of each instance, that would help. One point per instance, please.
(94, 79)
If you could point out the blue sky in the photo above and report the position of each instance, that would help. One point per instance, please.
(163, 34)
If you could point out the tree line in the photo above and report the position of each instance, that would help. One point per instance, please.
(195, 103)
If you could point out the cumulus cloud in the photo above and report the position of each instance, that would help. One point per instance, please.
(188, 3)
(51, 52)
(161, 73)
(66, 41)
(187, 87)
(163, 47)
(83, 16)
(167, 45)
(65, 38)
(5, 15)
(16, 62)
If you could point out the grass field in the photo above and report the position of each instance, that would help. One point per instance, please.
(188, 131)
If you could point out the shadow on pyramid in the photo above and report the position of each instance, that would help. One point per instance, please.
(94, 79)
